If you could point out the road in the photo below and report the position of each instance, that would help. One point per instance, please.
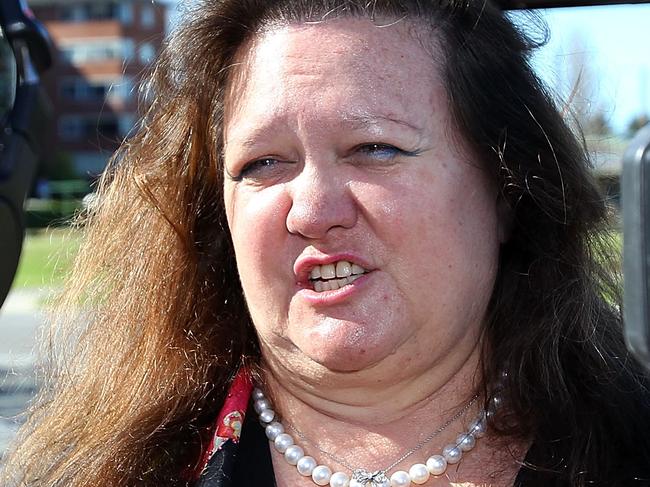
(20, 321)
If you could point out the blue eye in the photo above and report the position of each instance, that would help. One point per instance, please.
(384, 152)
(260, 163)
(252, 168)
(381, 151)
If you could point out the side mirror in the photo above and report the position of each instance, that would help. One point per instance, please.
(8, 78)
(24, 52)
(635, 192)
(12, 238)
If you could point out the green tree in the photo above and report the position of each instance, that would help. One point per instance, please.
(637, 123)
(597, 124)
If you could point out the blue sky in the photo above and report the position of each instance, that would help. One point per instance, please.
(613, 43)
(613, 46)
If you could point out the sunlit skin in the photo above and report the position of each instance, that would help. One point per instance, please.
(339, 142)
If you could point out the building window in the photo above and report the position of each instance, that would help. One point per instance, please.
(126, 13)
(108, 127)
(74, 13)
(81, 90)
(70, 128)
(97, 10)
(147, 17)
(121, 90)
(147, 52)
(128, 49)
(84, 90)
(82, 128)
(126, 124)
(87, 51)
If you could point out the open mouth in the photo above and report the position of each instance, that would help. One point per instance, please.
(330, 277)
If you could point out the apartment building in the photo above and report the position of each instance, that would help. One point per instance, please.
(102, 47)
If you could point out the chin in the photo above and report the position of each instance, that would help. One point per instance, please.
(345, 361)
(343, 346)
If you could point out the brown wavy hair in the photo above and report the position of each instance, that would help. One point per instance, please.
(153, 324)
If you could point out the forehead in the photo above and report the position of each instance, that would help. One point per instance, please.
(355, 65)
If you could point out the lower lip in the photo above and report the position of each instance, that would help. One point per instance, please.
(328, 298)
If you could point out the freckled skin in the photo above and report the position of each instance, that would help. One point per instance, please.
(427, 224)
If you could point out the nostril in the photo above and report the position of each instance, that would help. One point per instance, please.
(319, 204)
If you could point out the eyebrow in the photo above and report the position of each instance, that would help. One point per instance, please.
(251, 140)
(352, 121)
(365, 121)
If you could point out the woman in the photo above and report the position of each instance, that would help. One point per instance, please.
(425, 294)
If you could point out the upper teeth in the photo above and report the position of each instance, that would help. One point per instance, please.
(339, 269)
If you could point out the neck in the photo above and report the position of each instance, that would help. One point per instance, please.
(372, 423)
(378, 398)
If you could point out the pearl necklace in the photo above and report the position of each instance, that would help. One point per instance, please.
(419, 473)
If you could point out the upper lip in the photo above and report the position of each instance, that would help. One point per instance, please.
(304, 264)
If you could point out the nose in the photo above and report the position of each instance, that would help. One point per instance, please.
(321, 200)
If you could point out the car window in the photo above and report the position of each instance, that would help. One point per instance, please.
(595, 61)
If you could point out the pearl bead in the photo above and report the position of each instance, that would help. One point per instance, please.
(321, 475)
(261, 404)
(466, 441)
(282, 442)
(293, 453)
(419, 473)
(437, 465)
(339, 479)
(478, 427)
(452, 453)
(267, 416)
(400, 479)
(306, 466)
(273, 430)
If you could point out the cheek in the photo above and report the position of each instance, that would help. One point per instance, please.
(412, 212)
(256, 219)
(257, 223)
(438, 226)
(462, 233)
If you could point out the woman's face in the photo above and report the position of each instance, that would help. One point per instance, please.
(341, 158)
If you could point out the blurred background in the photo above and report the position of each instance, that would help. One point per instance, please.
(102, 48)
(594, 61)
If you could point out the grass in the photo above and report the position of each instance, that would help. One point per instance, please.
(46, 258)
